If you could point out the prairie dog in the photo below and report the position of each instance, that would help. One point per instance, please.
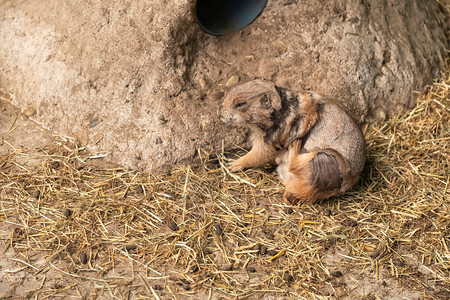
(319, 148)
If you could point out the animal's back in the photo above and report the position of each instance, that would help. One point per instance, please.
(337, 130)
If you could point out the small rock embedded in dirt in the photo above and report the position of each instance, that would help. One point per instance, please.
(207, 251)
(263, 250)
(267, 70)
(270, 235)
(94, 123)
(327, 212)
(288, 277)
(272, 252)
(130, 247)
(336, 274)
(67, 213)
(288, 210)
(257, 247)
(202, 83)
(381, 114)
(83, 258)
(233, 80)
(83, 137)
(30, 111)
(55, 164)
(398, 262)
(375, 253)
(218, 229)
(228, 267)
(97, 138)
(139, 189)
(282, 46)
(349, 223)
(169, 196)
(173, 226)
(251, 269)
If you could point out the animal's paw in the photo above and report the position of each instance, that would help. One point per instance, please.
(235, 166)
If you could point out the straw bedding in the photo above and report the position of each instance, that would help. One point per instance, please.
(83, 228)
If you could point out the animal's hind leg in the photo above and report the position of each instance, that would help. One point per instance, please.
(315, 175)
(297, 185)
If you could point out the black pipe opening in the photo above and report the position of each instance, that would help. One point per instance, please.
(220, 17)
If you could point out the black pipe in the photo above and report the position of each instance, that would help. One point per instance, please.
(220, 17)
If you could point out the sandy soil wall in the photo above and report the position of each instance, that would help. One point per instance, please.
(138, 80)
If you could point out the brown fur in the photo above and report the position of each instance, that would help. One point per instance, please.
(319, 148)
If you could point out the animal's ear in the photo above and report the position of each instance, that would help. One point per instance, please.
(266, 102)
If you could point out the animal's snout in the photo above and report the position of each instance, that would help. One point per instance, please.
(224, 115)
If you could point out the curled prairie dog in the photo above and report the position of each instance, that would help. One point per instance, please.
(319, 148)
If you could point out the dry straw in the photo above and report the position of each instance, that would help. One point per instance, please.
(204, 232)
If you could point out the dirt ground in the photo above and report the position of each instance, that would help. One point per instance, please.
(74, 226)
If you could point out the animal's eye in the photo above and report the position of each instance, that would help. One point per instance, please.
(240, 104)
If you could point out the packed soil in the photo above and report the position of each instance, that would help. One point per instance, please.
(73, 225)
(140, 82)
